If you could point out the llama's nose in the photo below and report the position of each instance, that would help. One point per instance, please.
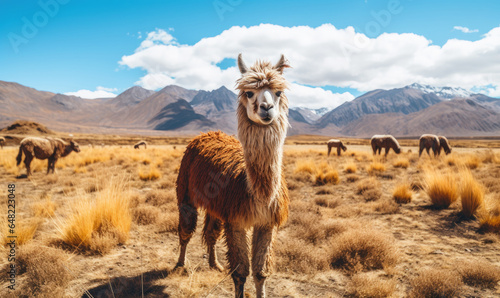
(266, 106)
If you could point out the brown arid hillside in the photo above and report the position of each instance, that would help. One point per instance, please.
(22, 127)
(105, 225)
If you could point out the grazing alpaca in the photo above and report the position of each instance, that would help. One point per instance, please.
(385, 141)
(44, 148)
(443, 142)
(2, 142)
(427, 142)
(136, 146)
(337, 144)
(240, 185)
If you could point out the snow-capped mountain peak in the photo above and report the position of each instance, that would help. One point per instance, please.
(443, 92)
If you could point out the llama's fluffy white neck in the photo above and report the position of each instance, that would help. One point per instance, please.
(263, 152)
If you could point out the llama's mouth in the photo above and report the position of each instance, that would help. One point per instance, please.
(267, 120)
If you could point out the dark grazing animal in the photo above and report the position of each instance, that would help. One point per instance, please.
(44, 148)
(427, 142)
(336, 144)
(385, 141)
(2, 142)
(443, 142)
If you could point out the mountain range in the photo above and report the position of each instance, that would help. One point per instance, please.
(173, 110)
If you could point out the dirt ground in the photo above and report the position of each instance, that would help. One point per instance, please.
(332, 199)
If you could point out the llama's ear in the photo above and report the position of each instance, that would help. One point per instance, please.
(282, 64)
(241, 65)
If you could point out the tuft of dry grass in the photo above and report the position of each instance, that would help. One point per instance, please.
(46, 208)
(401, 162)
(472, 194)
(366, 285)
(402, 193)
(297, 256)
(305, 167)
(369, 189)
(479, 273)
(325, 201)
(436, 283)
(146, 215)
(441, 188)
(490, 220)
(472, 162)
(98, 225)
(24, 230)
(451, 159)
(152, 174)
(45, 269)
(350, 168)
(375, 167)
(327, 175)
(363, 249)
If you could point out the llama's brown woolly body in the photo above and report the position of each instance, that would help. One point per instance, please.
(387, 142)
(44, 148)
(336, 144)
(141, 143)
(444, 144)
(427, 142)
(213, 174)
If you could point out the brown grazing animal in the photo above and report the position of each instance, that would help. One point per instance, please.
(2, 142)
(385, 141)
(240, 185)
(336, 144)
(44, 148)
(428, 141)
(444, 144)
(136, 146)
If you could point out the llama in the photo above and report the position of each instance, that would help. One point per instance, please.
(240, 184)
(337, 144)
(2, 142)
(141, 143)
(443, 142)
(44, 148)
(385, 141)
(428, 141)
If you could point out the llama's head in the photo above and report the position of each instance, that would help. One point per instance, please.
(262, 89)
(74, 146)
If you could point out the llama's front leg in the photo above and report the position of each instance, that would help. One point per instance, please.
(237, 255)
(211, 233)
(262, 256)
(27, 163)
(188, 216)
(329, 150)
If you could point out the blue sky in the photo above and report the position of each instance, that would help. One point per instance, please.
(80, 45)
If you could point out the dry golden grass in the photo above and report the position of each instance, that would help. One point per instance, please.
(479, 273)
(151, 174)
(472, 162)
(97, 225)
(305, 167)
(401, 162)
(472, 194)
(46, 208)
(300, 257)
(490, 219)
(436, 283)
(451, 159)
(326, 174)
(375, 167)
(146, 215)
(366, 285)
(24, 230)
(369, 189)
(363, 249)
(45, 269)
(441, 188)
(350, 168)
(402, 193)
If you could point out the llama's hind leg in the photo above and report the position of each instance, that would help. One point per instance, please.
(211, 233)
(262, 257)
(27, 163)
(188, 216)
(237, 255)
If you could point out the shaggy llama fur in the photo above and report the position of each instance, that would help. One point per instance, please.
(44, 148)
(141, 143)
(336, 144)
(384, 141)
(240, 184)
(443, 142)
(428, 141)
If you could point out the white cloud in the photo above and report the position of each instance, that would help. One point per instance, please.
(315, 98)
(465, 29)
(101, 92)
(321, 56)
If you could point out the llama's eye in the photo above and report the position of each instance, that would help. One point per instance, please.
(249, 94)
(278, 94)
